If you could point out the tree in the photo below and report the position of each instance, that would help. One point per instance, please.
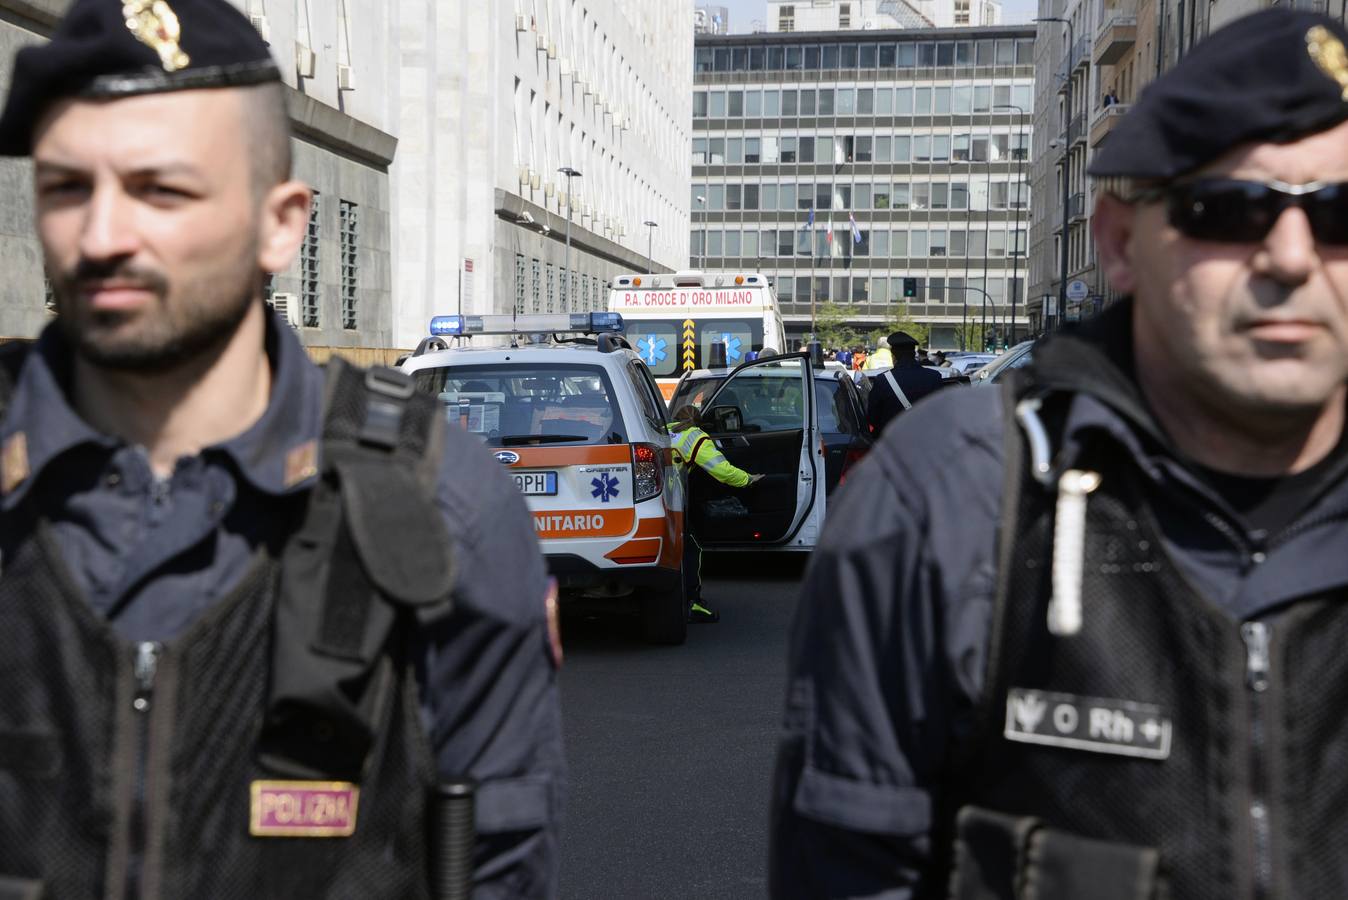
(901, 320)
(970, 337)
(831, 328)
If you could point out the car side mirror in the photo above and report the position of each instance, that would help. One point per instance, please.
(726, 419)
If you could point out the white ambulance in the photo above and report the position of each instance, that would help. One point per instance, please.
(672, 320)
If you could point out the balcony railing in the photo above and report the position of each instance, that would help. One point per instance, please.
(1078, 128)
(1076, 206)
(1081, 53)
(1104, 120)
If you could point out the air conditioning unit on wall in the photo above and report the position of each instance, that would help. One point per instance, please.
(287, 306)
(305, 60)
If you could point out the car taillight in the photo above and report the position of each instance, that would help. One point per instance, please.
(853, 457)
(648, 475)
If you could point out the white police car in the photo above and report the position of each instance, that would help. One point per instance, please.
(575, 416)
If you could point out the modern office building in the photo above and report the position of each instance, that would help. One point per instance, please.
(871, 15)
(496, 97)
(848, 166)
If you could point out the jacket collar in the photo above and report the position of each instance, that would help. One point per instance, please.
(276, 455)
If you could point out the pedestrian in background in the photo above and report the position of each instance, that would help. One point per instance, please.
(255, 621)
(1118, 670)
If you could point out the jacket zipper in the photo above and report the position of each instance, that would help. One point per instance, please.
(146, 667)
(1256, 636)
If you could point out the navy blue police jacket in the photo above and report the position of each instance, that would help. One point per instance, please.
(916, 383)
(153, 555)
(890, 639)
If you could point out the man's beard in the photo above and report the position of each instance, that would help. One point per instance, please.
(192, 322)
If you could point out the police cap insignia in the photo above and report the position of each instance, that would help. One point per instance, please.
(154, 24)
(107, 49)
(1276, 75)
(1329, 55)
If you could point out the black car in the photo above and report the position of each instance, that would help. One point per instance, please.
(842, 415)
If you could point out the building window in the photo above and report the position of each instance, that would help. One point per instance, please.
(350, 233)
(520, 289)
(844, 15)
(786, 18)
(49, 293)
(552, 288)
(309, 268)
(537, 282)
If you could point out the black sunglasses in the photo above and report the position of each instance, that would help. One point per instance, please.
(1232, 211)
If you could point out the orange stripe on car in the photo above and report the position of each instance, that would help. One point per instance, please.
(540, 457)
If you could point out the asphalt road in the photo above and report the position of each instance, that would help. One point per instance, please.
(671, 749)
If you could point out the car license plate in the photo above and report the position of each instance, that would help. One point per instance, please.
(536, 483)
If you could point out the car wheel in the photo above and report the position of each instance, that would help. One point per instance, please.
(665, 616)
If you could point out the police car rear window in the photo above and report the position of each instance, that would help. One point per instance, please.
(513, 405)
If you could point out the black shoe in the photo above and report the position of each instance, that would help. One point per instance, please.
(700, 615)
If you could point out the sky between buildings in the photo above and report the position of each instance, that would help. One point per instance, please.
(744, 12)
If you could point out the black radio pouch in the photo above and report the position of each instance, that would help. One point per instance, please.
(1006, 857)
(372, 551)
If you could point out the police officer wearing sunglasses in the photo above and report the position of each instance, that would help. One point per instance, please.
(266, 631)
(1120, 671)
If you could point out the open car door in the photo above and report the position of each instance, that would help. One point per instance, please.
(764, 421)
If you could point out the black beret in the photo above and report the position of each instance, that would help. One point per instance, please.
(121, 48)
(1274, 76)
(900, 339)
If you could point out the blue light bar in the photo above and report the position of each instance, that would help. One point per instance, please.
(447, 326)
(606, 321)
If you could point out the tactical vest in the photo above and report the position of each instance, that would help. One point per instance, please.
(1164, 749)
(140, 771)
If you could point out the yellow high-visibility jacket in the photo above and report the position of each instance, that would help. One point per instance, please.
(880, 359)
(694, 446)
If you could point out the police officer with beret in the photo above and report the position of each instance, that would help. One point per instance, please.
(1099, 652)
(896, 389)
(265, 630)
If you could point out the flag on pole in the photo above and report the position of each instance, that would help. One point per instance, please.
(856, 232)
(809, 222)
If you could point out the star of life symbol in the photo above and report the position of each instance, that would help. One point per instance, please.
(605, 488)
(732, 348)
(652, 349)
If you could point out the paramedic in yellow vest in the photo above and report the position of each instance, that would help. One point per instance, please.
(693, 446)
(882, 358)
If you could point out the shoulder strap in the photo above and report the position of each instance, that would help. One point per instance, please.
(372, 548)
(898, 391)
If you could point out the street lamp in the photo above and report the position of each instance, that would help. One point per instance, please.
(650, 238)
(1066, 161)
(1015, 236)
(566, 269)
